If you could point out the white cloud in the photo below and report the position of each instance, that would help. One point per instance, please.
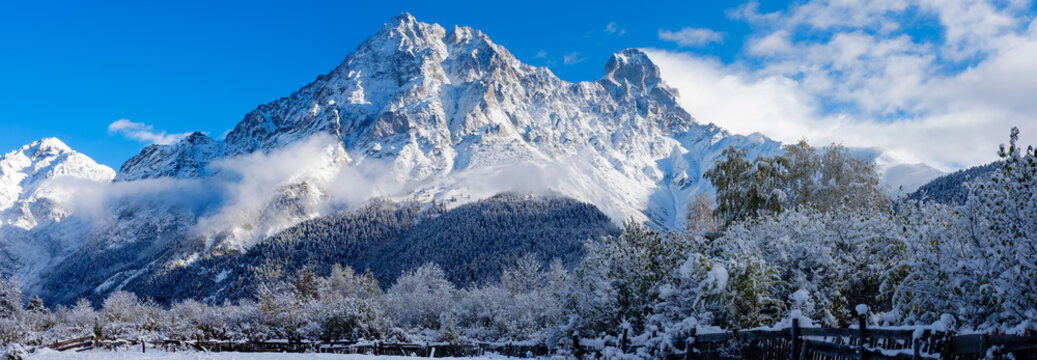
(540, 54)
(772, 44)
(142, 132)
(691, 37)
(573, 58)
(613, 29)
(847, 71)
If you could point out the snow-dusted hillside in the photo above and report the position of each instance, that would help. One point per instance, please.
(36, 189)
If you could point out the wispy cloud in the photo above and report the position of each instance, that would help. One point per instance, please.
(692, 37)
(542, 54)
(142, 132)
(573, 58)
(613, 29)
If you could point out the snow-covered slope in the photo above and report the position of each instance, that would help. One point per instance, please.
(36, 185)
(436, 104)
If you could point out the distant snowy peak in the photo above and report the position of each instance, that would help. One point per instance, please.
(26, 178)
(185, 159)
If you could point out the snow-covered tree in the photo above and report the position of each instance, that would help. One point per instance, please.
(700, 214)
(125, 316)
(10, 298)
(737, 292)
(287, 313)
(978, 260)
(80, 318)
(12, 329)
(521, 306)
(351, 306)
(619, 280)
(800, 177)
(837, 257)
(421, 297)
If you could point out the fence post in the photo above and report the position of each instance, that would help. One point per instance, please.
(624, 342)
(862, 319)
(576, 346)
(948, 339)
(794, 353)
(917, 349)
(689, 345)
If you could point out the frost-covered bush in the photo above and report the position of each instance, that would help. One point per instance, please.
(738, 292)
(13, 352)
(620, 278)
(837, 258)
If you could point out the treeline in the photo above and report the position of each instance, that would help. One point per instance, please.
(472, 243)
(948, 189)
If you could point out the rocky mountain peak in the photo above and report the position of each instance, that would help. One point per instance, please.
(26, 177)
(632, 67)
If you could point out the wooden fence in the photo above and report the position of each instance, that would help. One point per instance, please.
(342, 347)
(799, 343)
(794, 342)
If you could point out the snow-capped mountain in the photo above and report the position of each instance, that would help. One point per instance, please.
(435, 104)
(36, 185)
(416, 112)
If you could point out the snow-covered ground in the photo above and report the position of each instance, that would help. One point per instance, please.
(46, 354)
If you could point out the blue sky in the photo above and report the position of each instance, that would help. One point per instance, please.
(850, 71)
(70, 69)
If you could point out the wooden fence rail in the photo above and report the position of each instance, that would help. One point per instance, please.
(798, 343)
(794, 343)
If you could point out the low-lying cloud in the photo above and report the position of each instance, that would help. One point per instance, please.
(250, 197)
